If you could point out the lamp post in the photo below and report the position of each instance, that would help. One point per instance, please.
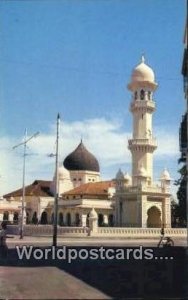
(24, 144)
(56, 184)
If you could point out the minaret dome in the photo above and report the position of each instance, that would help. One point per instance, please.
(142, 74)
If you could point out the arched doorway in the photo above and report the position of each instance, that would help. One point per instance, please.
(154, 217)
(15, 218)
(120, 213)
(77, 219)
(111, 220)
(27, 218)
(100, 220)
(6, 216)
(68, 219)
(34, 218)
(60, 219)
(44, 218)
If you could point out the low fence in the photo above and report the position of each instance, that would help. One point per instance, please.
(47, 230)
(141, 232)
(121, 232)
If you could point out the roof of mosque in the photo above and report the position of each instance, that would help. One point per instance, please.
(37, 188)
(92, 189)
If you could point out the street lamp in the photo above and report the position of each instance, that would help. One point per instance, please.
(24, 144)
(56, 184)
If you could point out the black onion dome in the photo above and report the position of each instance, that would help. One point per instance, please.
(81, 159)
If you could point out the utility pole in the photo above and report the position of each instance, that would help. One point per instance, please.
(24, 144)
(56, 184)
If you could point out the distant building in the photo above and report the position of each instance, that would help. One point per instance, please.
(80, 190)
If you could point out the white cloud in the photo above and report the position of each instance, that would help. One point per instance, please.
(106, 139)
(168, 143)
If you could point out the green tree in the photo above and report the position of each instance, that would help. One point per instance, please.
(180, 209)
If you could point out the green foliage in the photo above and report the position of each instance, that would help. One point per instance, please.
(179, 210)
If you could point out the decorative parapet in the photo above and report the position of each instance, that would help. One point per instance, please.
(125, 232)
(143, 142)
(139, 189)
(142, 105)
(47, 230)
(141, 232)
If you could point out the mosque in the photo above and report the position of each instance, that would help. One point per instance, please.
(126, 200)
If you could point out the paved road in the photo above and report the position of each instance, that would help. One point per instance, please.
(44, 283)
(90, 241)
(94, 279)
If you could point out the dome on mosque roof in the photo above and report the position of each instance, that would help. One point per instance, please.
(120, 175)
(165, 175)
(142, 73)
(63, 173)
(127, 177)
(81, 159)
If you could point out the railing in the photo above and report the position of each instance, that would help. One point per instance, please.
(146, 141)
(142, 103)
(141, 232)
(152, 189)
(47, 230)
(147, 188)
(126, 232)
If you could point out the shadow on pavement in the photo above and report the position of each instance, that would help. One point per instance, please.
(122, 279)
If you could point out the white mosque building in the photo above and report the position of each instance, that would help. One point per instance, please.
(133, 201)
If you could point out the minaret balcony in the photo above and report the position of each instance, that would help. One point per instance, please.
(149, 144)
(142, 105)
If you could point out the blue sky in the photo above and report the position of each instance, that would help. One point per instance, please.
(76, 57)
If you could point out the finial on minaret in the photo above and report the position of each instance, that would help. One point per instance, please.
(143, 58)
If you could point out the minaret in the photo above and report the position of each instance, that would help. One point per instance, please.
(142, 144)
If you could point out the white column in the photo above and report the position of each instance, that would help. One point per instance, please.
(11, 216)
(1, 217)
(93, 222)
(105, 219)
(144, 215)
(167, 212)
(83, 220)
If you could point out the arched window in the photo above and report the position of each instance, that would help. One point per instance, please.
(44, 218)
(77, 219)
(6, 216)
(68, 219)
(100, 220)
(60, 219)
(34, 218)
(149, 95)
(111, 220)
(135, 95)
(142, 94)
